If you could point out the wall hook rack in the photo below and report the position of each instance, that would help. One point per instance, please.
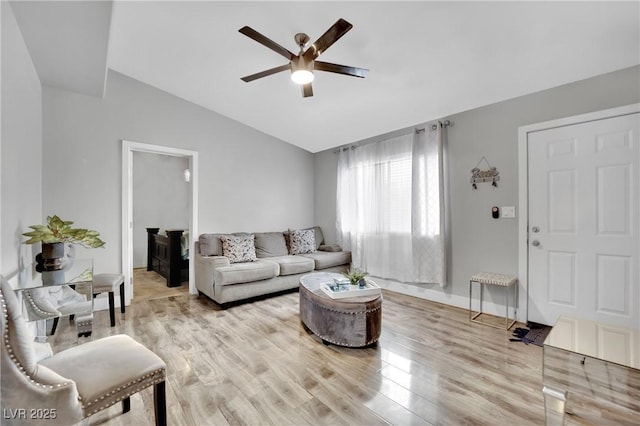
(490, 174)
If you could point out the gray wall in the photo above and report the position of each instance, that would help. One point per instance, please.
(160, 198)
(249, 181)
(479, 242)
(21, 149)
(61, 153)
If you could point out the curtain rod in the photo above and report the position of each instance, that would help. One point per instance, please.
(344, 148)
(434, 126)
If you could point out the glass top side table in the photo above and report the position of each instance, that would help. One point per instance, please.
(595, 363)
(53, 294)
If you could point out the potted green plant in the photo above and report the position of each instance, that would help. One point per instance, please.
(356, 276)
(55, 234)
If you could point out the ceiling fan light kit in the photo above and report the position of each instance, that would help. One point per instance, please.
(304, 63)
(301, 71)
(302, 76)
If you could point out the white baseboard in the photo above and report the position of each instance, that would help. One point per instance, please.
(435, 293)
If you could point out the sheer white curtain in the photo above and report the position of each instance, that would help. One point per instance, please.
(390, 207)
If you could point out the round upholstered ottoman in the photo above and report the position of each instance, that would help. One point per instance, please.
(353, 321)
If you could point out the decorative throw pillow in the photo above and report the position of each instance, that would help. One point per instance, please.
(302, 241)
(238, 248)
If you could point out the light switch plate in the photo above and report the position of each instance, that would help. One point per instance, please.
(508, 211)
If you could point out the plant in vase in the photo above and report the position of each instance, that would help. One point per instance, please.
(356, 277)
(53, 237)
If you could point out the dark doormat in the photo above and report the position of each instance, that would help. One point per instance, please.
(536, 334)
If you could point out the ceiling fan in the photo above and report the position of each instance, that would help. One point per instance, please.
(304, 63)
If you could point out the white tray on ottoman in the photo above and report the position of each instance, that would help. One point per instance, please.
(348, 290)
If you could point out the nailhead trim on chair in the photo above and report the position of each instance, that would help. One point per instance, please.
(37, 308)
(7, 344)
(131, 392)
(131, 383)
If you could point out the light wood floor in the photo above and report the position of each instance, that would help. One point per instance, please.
(148, 285)
(255, 364)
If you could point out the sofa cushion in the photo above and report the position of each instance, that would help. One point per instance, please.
(210, 245)
(245, 272)
(318, 235)
(302, 241)
(290, 265)
(238, 248)
(326, 259)
(269, 244)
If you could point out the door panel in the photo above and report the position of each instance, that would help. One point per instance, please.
(614, 221)
(562, 278)
(583, 196)
(562, 201)
(613, 286)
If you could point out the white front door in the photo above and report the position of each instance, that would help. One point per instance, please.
(583, 230)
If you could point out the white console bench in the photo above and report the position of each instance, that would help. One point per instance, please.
(499, 280)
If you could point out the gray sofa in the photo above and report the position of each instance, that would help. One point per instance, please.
(273, 270)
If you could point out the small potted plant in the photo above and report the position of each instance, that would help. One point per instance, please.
(356, 277)
(55, 234)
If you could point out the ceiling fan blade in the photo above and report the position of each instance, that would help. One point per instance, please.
(266, 73)
(340, 69)
(325, 41)
(253, 34)
(307, 90)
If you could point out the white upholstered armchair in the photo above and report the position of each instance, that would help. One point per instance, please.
(40, 387)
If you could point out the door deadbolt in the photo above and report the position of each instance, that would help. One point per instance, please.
(535, 229)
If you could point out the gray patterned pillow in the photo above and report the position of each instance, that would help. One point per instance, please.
(302, 241)
(238, 248)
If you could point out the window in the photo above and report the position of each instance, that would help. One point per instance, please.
(389, 207)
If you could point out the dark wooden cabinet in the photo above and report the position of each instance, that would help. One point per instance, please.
(164, 255)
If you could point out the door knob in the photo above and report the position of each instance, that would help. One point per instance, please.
(535, 243)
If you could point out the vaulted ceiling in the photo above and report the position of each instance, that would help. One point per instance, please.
(427, 60)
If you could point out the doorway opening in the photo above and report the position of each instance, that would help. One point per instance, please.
(191, 158)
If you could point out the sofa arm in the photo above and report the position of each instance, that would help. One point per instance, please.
(204, 267)
(213, 262)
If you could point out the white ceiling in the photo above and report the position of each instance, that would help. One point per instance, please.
(427, 60)
(68, 42)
